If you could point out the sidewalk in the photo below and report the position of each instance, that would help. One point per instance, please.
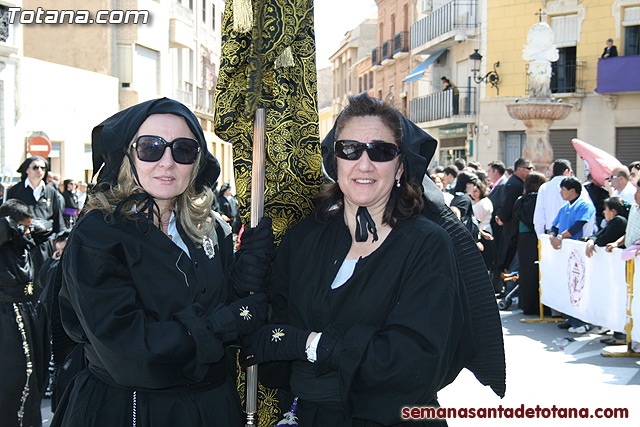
(540, 372)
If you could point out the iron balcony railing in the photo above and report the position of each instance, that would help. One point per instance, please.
(564, 79)
(376, 56)
(442, 105)
(458, 14)
(401, 42)
(387, 52)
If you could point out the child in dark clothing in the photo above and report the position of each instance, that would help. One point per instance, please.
(616, 212)
(22, 363)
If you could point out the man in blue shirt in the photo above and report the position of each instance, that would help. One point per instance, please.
(573, 215)
(568, 224)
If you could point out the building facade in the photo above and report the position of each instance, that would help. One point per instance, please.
(12, 143)
(605, 93)
(176, 54)
(443, 36)
(390, 59)
(357, 44)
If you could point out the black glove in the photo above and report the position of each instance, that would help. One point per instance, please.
(274, 342)
(259, 238)
(249, 313)
(253, 259)
(41, 230)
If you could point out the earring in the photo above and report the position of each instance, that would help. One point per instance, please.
(398, 182)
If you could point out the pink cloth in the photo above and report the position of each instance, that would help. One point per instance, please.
(630, 252)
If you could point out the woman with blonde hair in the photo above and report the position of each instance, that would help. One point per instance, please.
(149, 281)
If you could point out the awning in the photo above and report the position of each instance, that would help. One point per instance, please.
(420, 69)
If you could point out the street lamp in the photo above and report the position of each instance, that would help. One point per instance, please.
(491, 77)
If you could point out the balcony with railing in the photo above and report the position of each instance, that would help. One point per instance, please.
(387, 53)
(376, 59)
(567, 78)
(456, 18)
(204, 101)
(444, 105)
(618, 74)
(401, 45)
(184, 95)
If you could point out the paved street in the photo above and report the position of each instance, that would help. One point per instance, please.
(541, 373)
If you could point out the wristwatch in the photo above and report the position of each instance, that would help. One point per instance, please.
(559, 236)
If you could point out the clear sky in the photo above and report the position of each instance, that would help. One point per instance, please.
(333, 18)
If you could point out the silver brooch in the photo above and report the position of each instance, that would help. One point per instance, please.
(245, 313)
(277, 334)
(207, 245)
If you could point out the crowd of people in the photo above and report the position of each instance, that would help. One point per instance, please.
(515, 207)
(135, 292)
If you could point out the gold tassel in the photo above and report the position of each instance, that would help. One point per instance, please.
(242, 16)
(285, 59)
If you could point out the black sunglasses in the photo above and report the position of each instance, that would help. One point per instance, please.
(36, 167)
(527, 167)
(378, 151)
(150, 148)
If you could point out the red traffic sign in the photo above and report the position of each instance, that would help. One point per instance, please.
(39, 146)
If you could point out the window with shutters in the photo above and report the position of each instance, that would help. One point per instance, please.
(628, 144)
(560, 140)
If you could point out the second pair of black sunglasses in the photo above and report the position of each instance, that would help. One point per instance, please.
(378, 151)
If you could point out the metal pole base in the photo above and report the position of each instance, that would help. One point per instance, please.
(251, 419)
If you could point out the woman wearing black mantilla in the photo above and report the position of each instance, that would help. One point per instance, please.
(147, 279)
(370, 304)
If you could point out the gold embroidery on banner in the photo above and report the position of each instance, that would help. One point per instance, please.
(248, 80)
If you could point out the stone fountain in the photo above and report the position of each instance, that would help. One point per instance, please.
(539, 111)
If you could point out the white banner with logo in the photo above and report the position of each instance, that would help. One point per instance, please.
(591, 289)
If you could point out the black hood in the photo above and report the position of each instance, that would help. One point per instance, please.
(418, 148)
(111, 139)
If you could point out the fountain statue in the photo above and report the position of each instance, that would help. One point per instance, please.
(539, 111)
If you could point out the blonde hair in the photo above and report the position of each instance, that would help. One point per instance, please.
(194, 211)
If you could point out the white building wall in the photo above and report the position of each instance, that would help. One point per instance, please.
(65, 103)
(10, 144)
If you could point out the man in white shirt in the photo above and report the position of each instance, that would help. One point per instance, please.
(619, 185)
(550, 200)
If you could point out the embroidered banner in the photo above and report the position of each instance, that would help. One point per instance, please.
(251, 77)
(591, 289)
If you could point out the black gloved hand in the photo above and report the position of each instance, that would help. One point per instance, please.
(249, 313)
(253, 259)
(41, 230)
(259, 238)
(14, 229)
(274, 342)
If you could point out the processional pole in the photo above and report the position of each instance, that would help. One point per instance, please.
(257, 210)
